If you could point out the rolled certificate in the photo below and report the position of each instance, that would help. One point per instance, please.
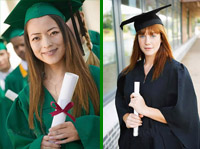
(11, 95)
(66, 93)
(136, 90)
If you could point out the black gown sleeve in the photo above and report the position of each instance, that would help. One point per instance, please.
(183, 118)
(122, 109)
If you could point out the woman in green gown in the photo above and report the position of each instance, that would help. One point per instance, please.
(52, 51)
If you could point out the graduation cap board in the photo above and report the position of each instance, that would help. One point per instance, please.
(2, 45)
(29, 9)
(12, 32)
(145, 19)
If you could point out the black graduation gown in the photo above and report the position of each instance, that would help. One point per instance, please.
(173, 94)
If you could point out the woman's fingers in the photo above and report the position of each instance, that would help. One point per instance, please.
(67, 140)
(61, 134)
(60, 126)
(47, 143)
(141, 116)
(134, 95)
(64, 132)
(133, 121)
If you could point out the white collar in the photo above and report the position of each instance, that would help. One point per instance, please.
(24, 65)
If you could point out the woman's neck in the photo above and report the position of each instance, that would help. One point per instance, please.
(55, 72)
(149, 60)
(54, 75)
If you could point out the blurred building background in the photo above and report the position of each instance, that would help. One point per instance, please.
(91, 9)
(182, 23)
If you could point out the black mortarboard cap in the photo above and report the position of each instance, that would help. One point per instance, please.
(145, 19)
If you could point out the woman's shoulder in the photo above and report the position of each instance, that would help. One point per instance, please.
(138, 65)
(175, 65)
(174, 68)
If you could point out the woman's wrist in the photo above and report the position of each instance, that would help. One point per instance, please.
(145, 111)
(125, 117)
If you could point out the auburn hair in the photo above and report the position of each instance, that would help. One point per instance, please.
(74, 62)
(163, 54)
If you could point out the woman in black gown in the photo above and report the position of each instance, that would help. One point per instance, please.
(167, 105)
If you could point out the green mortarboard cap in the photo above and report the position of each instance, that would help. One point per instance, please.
(12, 32)
(29, 9)
(2, 45)
(145, 19)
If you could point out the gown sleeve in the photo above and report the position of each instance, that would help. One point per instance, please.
(18, 129)
(122, 108)
(88, 126)
(183, 118)
(121, 105)
(15, 81)
(5, 105)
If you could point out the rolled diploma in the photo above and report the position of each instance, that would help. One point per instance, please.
(136, 90)
(67, 90)
(11, 95)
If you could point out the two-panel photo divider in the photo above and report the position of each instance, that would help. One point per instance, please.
(99, 74)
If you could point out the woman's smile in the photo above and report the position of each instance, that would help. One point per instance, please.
(50, 52)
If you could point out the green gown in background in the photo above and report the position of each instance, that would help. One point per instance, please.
(95, 39)
(5, 105)
(16, 80)
(88, 126)
(1, 93)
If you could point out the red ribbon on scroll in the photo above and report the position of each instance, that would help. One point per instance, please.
(65, 110)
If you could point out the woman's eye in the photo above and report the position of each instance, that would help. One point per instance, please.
(35, 39)
(54, 32)
(153, 35)
(142, 36)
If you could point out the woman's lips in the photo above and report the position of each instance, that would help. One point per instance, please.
(50, 52)
(147, 48)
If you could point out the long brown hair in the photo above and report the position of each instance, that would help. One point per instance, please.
(92, 59)
(85, 88)
(164, 53)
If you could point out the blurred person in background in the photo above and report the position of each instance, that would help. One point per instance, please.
(91, 49)
(17, 79)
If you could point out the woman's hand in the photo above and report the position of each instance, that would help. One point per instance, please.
(47, 143)
(63, 133)
(131, 120)
(137, 102)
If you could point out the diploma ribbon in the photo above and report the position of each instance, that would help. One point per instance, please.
(65, 110)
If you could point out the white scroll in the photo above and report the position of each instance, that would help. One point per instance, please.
(66, 93)
(136, 90)
(11, 95)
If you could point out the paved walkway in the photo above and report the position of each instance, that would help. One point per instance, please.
(192, 62)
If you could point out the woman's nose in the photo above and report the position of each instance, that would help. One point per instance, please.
(46, 42)
(147, 39)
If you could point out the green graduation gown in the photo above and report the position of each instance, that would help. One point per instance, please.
(16, 80)
(95, 39)
(5, 105)
(1, 93)
(22, 137)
